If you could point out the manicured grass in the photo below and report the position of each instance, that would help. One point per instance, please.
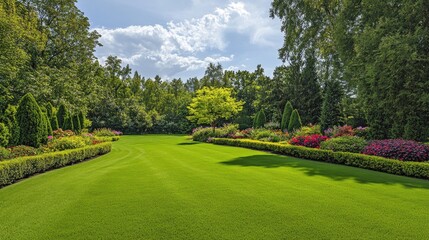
(167, 187)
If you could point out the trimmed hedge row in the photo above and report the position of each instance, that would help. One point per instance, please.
(410, 169)
(19, 168)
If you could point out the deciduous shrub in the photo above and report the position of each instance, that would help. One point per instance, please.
(61, 133)
(23, 151)
(19, 168)
(345, 144)
(272, 125)
(406, 150)
(362, 132)
(204, 134)
(31, 125)
(65, 143)
(308, 130)
(312, 141)
(4, 153)
(104, 132)
(411, 169)
(4, 135)
(339, 131)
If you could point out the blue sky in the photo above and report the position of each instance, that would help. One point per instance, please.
(178, 38)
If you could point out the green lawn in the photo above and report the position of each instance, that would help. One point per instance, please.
(167, 187)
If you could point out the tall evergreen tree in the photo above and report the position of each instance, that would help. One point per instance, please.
(76, 123)
(287, 113)
(295, 121)
(31, 125)
(62, 116)
(331, 108)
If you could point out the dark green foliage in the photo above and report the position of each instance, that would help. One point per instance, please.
(345, 144)
(260, 119)
(81, 120)
(4, 135)
(48, 125)
(331, 108)
(9, 118)
(52, 116)
(76, 123)
(287, 113)
(32, 130)
(68, 123)
(411, 169)
(295, 121)
(19, 168)
(62, 115)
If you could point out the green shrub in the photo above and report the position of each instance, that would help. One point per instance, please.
(81, 120)
(308, 130)
(287, 112)
(4, 135)
(103, 132)
(76, 124)
(68, 123)
(260, 119)
(411, 169)
(66, 143)
(19, 168)
(345, 144)
(9, 118)
(204, 134)
(272, 126)
(4, 153)
(52, 117)
(48, 126)
(23, 151)
(31, 125)
(106, 139)
(295, 121)
(62, 116)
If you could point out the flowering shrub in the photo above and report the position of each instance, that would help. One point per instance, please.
(104, 132)
(405, 150)
(345, 144)
(312, 141)
(61, 133)
(117, 133)
(22, 151)
(203, 134)
(336, 131)
(308, 130)
(68, 143)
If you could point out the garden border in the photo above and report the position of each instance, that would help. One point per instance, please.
(409, 169)
(16, 169)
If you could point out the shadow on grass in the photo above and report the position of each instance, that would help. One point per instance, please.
(188, 143)
(333, 171)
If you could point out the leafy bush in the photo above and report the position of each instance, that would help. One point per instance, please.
(204, 134)
(308, 130)
(23, 151)
(104, 132)
(362, 132)
(4, 153)
(272, 126)
(61, 133)
(411, 169)
(312, 141)
(19, 168)
(337, 131)
(406, 150)
(4, 135)
(345, 144)
(66, 143)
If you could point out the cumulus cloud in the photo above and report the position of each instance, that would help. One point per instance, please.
(186, 45)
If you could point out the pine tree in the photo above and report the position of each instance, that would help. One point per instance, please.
(30, 122)
(286, 116)
(331, 108)
(295, 121)
(62, 116)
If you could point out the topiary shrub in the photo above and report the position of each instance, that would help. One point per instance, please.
(62, 116)
(52, 116)
(345, 144)
(4, 135)
(260, 119)
(76, 124)
(68, 123)
(405, 150)
(30, 122)
(312, 141)
(287, 113)
(9, 118)
(81, 120)
(295, 121)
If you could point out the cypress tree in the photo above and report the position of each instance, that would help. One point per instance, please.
(68, 123)
(255, 120)
(9, 119)
(331, 107)
(30, 122)
(260, 120)
(295, 121)
(287, 112)
(48, 126)
(76, 123)
(61, 116)
(4, 135)
(52, 116)
(81, 120)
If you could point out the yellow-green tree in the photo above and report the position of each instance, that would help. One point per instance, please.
(212, 105)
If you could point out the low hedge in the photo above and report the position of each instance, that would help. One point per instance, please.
(19, 168)
(411, 169)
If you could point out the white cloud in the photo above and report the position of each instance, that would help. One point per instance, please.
(186, 45)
